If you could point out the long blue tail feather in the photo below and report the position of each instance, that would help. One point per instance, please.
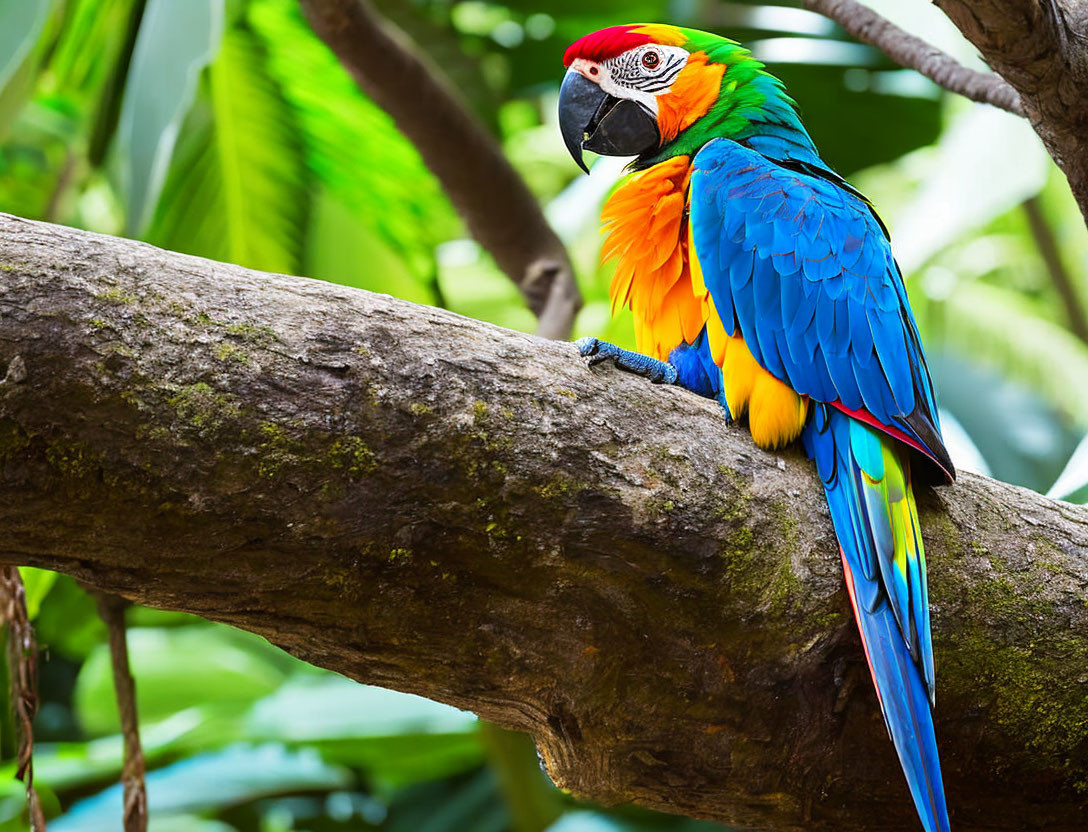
(844, 453)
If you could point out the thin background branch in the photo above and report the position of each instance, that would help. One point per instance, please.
(1063, 281)
(907, 50)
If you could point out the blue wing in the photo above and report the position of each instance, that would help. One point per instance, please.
(801, 266)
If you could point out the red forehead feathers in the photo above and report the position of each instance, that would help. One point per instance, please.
(605, 44)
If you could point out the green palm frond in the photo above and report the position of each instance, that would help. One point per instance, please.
(92, 36)
(351, 146)
(238, 188)
(1003, 329)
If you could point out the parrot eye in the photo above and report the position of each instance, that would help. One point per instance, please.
(651, 59)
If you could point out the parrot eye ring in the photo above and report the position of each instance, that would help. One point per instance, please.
(651, 59)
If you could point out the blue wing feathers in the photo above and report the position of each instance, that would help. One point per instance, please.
(824, 278)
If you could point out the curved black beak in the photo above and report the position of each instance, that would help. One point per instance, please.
(591, 119)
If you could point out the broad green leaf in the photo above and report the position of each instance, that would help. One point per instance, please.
(13, 803)
(472, 802)
(186, 823)
(21, 24)
(341, 249)
(238, 188)
(174, 669)
(1002, 329)
(1027, 450)
(68, 622)
(532, 800)
(64, 766)
(961, 448)
(92, 36)
(328, 706)
(210, 781)
(38, 582)
(960, 191)
(176, 42)
(1074, 477)
(21, 21)
(400, 738)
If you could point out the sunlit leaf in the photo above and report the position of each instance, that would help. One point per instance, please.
(960, 191)
(22, 22)
(186, 823)
(238, 188)
(70, 765)
(210, 781)
(1074, 477)
(174, 669)
(1027, 450)
(38, 582)
(399, 737)
(965, 454)
(92, 36)
(1001, 329)
(332, 707)
(176, 42)
(341, 249)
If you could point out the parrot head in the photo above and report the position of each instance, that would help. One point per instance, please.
(647, 89)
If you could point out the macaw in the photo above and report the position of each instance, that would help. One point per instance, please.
(758, 276)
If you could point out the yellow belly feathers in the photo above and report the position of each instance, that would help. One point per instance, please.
(660, 279)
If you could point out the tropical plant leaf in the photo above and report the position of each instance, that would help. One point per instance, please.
(37, 583)
(92, 35)
(175, 42)
(176, 668)
(1074, 478)
(238, 188)
(959, 192)
(1001, 328)
(211, 781)
(351, 146)
(23, 21)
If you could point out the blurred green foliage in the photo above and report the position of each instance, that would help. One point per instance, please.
(224, 128)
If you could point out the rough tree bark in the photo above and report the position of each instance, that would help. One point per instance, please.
(436, 505)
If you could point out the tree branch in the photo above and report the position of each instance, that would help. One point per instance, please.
(1051, 254)
(436, 505)
(493, 199)
(905, 49)
(1041, 48)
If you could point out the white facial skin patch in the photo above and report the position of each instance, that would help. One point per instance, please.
(640, 74)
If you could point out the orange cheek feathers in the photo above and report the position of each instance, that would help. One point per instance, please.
(693, 92)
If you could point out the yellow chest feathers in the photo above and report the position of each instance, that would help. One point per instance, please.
(658, 276)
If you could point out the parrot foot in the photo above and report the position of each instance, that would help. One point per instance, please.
(596, 351)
